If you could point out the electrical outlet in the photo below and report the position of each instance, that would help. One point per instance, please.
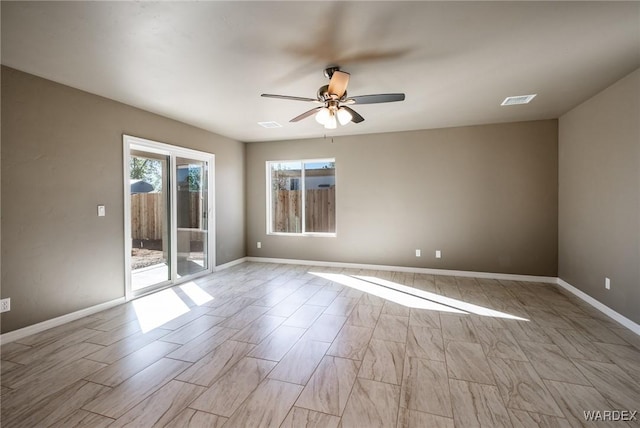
(259, 244)
(438, 254)
(607, 283)
(5, 305)
(418, 253)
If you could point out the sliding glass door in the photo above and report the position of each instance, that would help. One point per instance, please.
(168, 215)
(150, 219)
(192, 208)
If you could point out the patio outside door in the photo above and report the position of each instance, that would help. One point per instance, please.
(168, 215)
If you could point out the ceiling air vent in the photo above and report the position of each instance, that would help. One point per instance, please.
(270, 124)
(518, 99)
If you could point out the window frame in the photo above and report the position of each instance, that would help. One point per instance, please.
(302, 197)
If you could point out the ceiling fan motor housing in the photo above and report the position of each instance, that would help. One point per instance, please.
(324, 95)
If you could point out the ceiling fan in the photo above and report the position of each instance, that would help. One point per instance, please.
(334, 101)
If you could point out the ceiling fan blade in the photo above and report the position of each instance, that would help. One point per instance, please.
(338, 83)
(375, 99)
(356, 118)
(288, 97)
(305, 114)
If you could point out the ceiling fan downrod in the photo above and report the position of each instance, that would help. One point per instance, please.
(328, 72)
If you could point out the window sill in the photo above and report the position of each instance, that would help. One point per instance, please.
(304, 235)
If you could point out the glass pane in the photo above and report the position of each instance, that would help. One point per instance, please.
(192, 208)
(150, 260)
(320, 197)
(286, 197)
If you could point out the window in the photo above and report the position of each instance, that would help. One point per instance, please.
(301, 197)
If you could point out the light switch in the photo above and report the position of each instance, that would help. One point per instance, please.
(101, 211)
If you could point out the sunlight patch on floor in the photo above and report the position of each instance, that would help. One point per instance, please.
(386, 293)
(412, 297)
(158, 309)
(195, 293)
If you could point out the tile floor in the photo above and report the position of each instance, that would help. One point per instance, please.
(294, 346)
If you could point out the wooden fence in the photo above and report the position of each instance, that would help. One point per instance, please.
(147, 214)
(319, 211)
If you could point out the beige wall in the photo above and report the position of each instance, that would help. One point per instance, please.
(61, 157)
(486, 196)
(599, 213)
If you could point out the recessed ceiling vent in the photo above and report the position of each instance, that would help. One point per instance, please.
(518, 99)
(270, 124)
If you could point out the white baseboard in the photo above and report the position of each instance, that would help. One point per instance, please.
(428, 271)
(230, 264)
(599, 306)
(12, 336)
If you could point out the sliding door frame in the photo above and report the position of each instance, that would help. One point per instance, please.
(130, 142)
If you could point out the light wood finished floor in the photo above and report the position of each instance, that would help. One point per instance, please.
(266, 345)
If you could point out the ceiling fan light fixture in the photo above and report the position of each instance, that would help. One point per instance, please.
(344, 116)
(331, 123)
(323, 116)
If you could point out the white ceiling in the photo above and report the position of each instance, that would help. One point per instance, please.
(206, 63)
